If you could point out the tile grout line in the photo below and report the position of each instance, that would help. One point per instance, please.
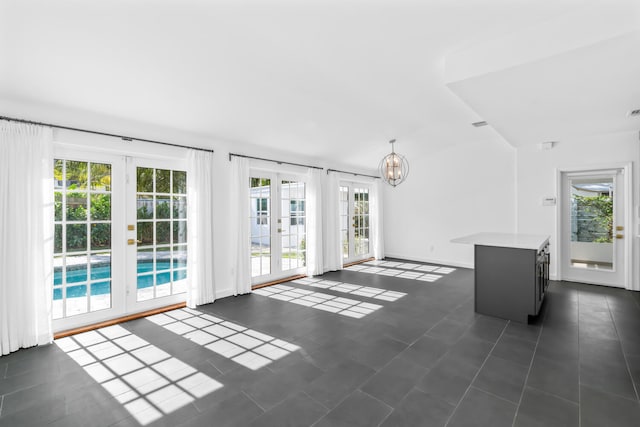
(579, 365)
(476, 375)
(264, 411)
(1, 404)
(624, 355)
(526, 379)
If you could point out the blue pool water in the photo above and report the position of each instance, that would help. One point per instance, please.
(100, 286)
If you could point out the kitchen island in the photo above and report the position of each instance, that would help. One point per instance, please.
(511, 273)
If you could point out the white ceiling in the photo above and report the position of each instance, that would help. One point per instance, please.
(321, 78)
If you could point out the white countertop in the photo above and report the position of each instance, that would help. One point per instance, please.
(507, 240)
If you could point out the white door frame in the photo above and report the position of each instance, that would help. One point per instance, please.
(628, 214)
(351, 184)
(276, 271)
(123, 285)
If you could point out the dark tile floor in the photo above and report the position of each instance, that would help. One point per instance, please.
(423, 359)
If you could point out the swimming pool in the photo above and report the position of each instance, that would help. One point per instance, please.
(101, 278)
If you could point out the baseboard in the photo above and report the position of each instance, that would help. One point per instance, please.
(429, 260)
(224, 293)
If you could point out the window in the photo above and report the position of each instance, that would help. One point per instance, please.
(82, 243)
(262, 211)
(297, 210)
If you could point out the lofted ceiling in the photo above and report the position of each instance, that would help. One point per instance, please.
(320, 78)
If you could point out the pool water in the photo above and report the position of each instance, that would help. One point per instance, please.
(101, 287)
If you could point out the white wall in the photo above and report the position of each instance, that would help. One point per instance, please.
(537, 179)
(465, 189)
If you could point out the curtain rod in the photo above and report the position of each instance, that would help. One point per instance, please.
(124, 138)
(280, 162)
(352, 173)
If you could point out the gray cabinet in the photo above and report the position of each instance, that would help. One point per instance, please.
(510, 283)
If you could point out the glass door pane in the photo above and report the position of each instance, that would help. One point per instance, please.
(82, 243)
(161, 215)
(293, 225)
(592, 219)
(361, 220)
(260, 219)
(344, 220)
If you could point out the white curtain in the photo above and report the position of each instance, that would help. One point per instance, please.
(331, 223)
(26, 235)
(201, 287)
(315, 264)
(239, 226)
(376, 218)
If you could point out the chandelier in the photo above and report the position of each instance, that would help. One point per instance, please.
(393, 168)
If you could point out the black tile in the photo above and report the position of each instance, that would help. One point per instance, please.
(419, 409)
(334, 385)
(234, 411)
(514, 349)
(609, 376)
(426, 351)
(539, 409)
(377, 352)
(359, 409)
(598, 408)
(471, 350)
(559, 344)
(394, 381)
(297, 411)
(558, 377)
(478, 408)
(503, 378)
(35, 413)
(448, 330)
(487, 328)
(427, 348)
(523, 331)
(273, 389)
(449, 380)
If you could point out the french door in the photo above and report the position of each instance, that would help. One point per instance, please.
(120, 236)
(278, 226)
(593, 227)
(354, 221)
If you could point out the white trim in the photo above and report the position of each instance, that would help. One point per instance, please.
(627, 172)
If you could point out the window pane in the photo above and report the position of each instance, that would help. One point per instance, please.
(179, 231)
(163, 180)
(76, 206)
(179, 207)
(101, 207)
(163, 233)
(145, 207)
(179, 182)
(76, 237)
(144, 180)
(76, 175)
(100, 177)
(163, 209)
(100, 236)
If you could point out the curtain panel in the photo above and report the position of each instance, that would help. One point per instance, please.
(239, 246)
(26, 235)
(332, 241)
(377, 232)
(315, 263)
(201, 288)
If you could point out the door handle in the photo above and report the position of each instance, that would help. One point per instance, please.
(133, 241)
(619, 236)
